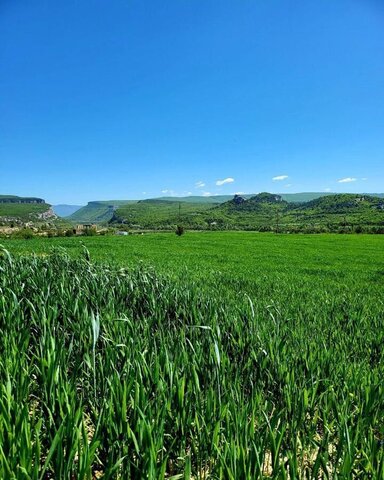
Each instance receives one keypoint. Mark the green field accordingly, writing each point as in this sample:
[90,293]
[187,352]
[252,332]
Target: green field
[241,255]
[215,355]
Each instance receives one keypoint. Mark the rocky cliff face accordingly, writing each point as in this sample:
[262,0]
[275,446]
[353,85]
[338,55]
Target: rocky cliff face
[15,199]
[48,215]
[238,199]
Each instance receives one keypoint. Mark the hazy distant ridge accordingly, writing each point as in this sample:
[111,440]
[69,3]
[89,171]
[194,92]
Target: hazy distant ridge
[98,211]
[103,211]
[64,210]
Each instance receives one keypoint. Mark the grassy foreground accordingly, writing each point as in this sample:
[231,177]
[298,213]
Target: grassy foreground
[247,356]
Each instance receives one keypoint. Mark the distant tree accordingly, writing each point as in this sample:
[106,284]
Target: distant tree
[25,234]
[90,232]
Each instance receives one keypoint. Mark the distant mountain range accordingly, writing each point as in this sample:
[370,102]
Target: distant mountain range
[64,210]
[98,211]
[103,211]
[264,211]
[107,211]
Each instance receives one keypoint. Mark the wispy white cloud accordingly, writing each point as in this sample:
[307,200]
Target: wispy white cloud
[279,178]
[347,180]
[173,193]
[364,178]
[206,194]
[226,180]
[327,189]
[288,185]
[199,184]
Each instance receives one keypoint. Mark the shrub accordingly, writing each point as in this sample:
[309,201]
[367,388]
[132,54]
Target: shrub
[25,234]
[179,230]
[90,232]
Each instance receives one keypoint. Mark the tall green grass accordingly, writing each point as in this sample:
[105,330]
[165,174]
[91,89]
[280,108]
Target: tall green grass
[110,372]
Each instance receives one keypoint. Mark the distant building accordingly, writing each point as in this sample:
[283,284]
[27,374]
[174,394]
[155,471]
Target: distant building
[82,227]
[119,232]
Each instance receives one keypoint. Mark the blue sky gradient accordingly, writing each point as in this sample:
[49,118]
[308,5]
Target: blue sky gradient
[137,99]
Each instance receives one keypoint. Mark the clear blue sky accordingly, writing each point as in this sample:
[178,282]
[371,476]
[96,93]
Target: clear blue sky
[110,99]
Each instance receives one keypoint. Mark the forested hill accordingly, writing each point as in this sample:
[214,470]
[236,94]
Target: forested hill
[335,203]
[344,203]
[97,211]
[104,211]
[264,211]
[16,210]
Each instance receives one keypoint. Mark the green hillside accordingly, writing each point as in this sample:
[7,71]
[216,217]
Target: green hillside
[264,211]
[219,211]
[344,204]
[20,210]
[97,211]
[159,213]
[104,211]
[258,212]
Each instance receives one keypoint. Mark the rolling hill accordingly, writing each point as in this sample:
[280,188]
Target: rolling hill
[295,210]
[103,211]
[160,213]
[19,211]
[264,211]
[97,211]
[344,204]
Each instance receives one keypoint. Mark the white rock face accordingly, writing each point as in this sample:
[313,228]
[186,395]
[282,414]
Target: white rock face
[49,214]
